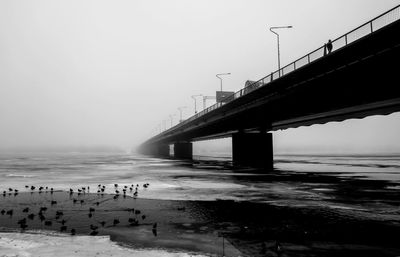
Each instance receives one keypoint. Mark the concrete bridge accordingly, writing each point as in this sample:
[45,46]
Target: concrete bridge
[357,79]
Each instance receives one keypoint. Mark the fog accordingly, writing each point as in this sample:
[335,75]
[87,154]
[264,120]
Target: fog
[108,73]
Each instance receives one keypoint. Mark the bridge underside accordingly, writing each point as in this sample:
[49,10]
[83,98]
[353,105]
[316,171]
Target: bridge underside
[356,81]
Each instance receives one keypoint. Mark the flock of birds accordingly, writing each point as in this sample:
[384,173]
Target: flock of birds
[59,214]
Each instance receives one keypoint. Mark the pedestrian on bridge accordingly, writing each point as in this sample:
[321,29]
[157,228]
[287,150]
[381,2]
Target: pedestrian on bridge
[329,46]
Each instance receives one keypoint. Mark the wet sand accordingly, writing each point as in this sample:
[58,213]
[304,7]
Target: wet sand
[208,227]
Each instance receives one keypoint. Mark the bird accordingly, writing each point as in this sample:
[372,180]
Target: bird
[22,221]
[143,217]
[115,222]
[93,227]
[63,222]
[10,212]
[31,216]
[63,228]
[53,202]
[90,215]
[97,203]
[73,232]
[25,209]
[2,212]
[154,229]
[91,209]
[94,232]
[137,211]
[33,187]
[59,213]
[103,223]
[48,223]
[133,221]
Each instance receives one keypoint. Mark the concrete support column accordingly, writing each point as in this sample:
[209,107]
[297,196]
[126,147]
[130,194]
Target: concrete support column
[252,149]
[163,150]
[183,150]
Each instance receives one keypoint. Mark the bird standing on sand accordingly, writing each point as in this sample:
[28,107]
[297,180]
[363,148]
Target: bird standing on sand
[154,230]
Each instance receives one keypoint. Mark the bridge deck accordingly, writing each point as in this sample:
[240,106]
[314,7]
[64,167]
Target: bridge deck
[355,81]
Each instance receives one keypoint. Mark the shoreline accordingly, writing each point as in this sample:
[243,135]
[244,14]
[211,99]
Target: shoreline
[204,227]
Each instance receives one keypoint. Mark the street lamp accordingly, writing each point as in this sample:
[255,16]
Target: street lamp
[271,29]
[195,102]
[180,112]
[205,98]
[221,78]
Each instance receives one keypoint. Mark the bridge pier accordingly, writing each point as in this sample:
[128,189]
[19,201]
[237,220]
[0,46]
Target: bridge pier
[183,150]
[252,149]
[163,150]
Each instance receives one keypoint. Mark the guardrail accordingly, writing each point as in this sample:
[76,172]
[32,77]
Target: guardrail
[365,29]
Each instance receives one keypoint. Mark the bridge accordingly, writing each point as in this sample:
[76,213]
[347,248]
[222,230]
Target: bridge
[357,79]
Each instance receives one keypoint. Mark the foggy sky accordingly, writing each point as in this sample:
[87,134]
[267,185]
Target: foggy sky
[82,73]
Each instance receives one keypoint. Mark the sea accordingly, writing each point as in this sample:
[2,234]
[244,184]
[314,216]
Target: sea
[358,186]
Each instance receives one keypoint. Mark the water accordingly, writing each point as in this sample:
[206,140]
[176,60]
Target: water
[357,187]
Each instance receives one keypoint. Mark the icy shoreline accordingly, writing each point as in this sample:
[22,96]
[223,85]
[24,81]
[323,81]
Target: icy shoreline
[43,243]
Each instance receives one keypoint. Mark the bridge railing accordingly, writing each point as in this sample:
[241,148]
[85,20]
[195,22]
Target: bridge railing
[365,29]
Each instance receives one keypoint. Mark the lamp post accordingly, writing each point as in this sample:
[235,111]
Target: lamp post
[195,102]
[279,58]
[205,98]
[221,74]
[180,112]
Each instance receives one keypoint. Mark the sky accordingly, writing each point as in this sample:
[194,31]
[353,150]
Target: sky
[96,72]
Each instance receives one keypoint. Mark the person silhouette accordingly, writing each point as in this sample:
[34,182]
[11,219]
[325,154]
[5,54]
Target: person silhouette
[329,46]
